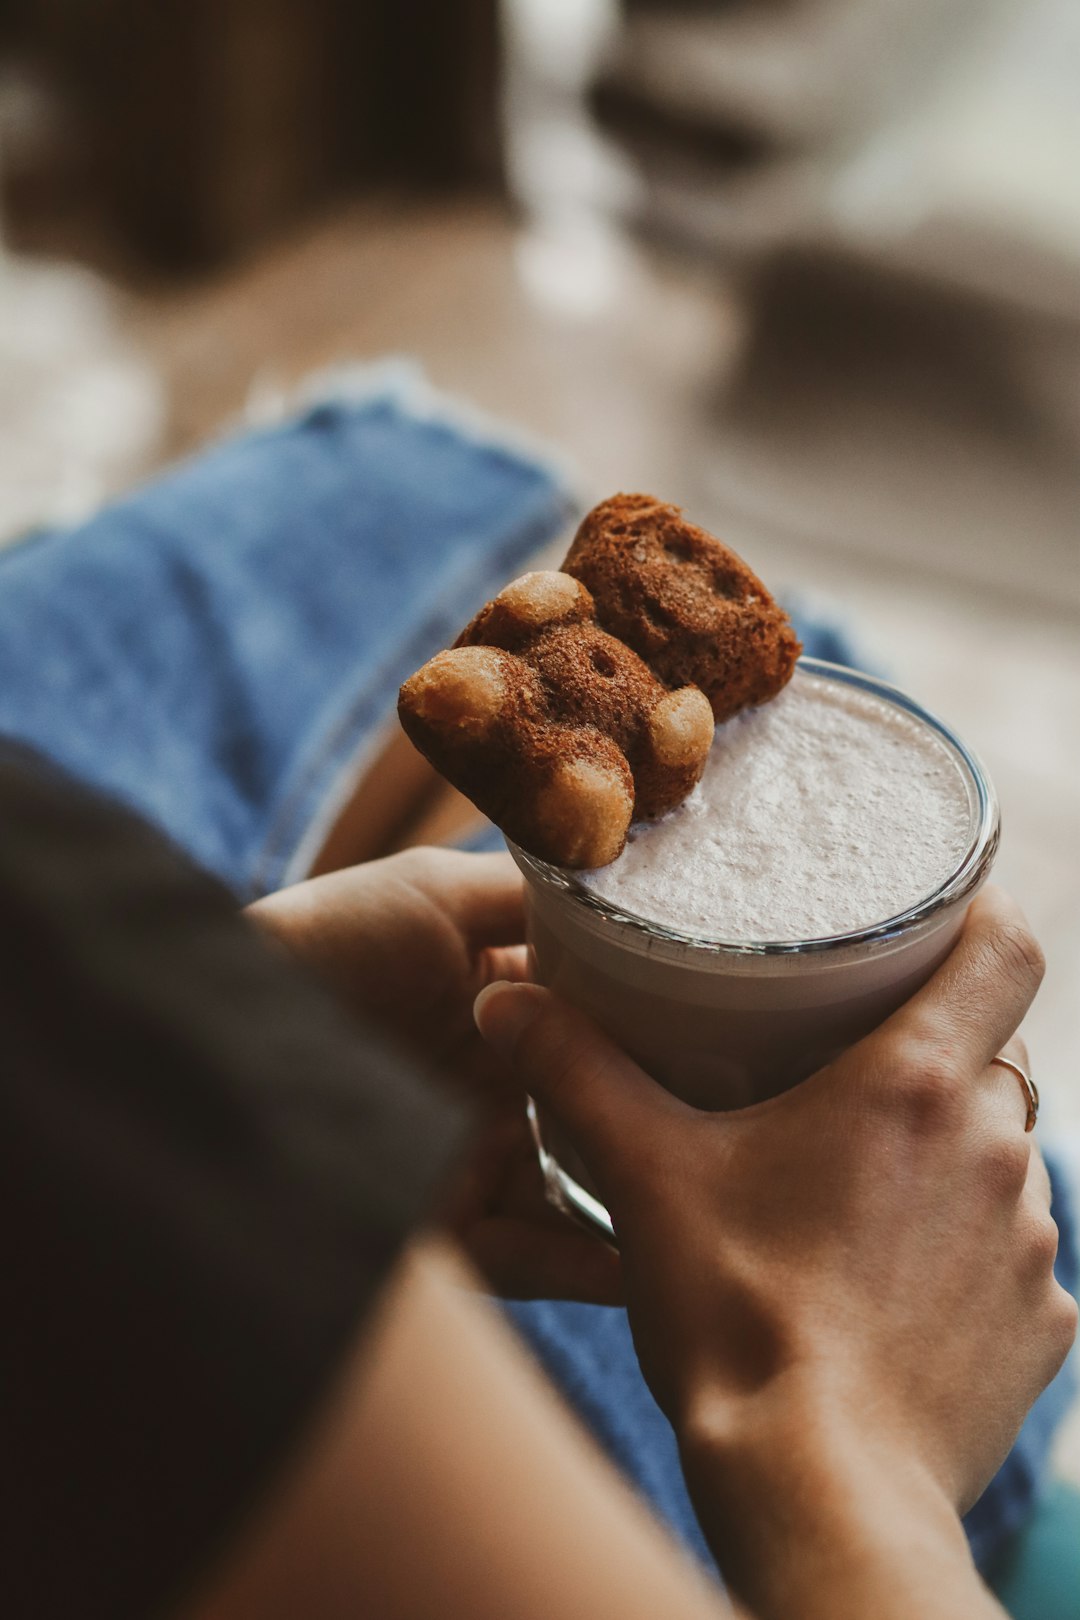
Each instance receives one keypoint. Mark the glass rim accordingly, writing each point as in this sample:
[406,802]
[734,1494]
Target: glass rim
[962,882]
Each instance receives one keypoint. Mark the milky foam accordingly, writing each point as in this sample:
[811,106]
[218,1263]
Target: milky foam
[827,810]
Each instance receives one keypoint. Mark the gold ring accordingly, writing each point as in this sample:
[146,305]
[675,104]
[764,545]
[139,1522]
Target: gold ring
[1031,1090]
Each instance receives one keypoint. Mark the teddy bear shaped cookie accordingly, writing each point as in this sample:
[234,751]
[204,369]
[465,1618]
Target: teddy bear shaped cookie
[583,698]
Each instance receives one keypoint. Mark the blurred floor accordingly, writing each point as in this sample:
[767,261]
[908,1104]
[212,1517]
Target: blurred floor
[607,360]
[620,361]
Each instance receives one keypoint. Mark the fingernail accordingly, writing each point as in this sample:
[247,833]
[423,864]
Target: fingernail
[503,1012]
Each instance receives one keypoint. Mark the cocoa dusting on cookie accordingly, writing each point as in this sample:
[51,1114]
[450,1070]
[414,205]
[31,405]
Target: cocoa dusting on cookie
[580,699]
[684,602]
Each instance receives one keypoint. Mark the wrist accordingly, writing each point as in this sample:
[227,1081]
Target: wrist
[812,1511]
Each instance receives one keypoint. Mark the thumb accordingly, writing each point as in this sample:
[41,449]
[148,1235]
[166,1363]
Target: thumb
[603,1099]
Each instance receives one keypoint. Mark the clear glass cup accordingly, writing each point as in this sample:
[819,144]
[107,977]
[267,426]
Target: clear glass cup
[723,1023]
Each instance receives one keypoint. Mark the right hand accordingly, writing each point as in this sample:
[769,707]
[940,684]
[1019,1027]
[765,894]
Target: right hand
[864,1264]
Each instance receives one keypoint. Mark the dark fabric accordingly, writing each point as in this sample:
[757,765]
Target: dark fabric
[205,1174]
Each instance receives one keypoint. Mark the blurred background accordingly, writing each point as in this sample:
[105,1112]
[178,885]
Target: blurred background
[809,268]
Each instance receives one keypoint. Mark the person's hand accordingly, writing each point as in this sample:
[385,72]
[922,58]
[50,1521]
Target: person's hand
[409,942]
[860,1268]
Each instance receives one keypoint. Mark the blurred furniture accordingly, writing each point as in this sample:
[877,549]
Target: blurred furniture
[205,125]
[892,184]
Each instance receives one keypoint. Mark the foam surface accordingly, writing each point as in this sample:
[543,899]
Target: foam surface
[826,810]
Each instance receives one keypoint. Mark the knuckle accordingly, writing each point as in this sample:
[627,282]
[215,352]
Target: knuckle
[1042,1244]
[927,1094]
[930,1107]
[421,864]
[1003,1167]
[1018,955]
[1061,1333]
[1018,1051]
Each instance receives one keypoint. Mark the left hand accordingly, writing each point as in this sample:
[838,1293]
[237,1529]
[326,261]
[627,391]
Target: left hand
[409,942]
[840,1289]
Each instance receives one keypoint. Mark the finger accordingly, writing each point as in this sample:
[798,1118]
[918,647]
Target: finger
[1016,1049]
[1004,1092]
[500,1214]
[505,963]
[486,1076]
[603,1099]
[975,1001]
[485,895]
[1038,1189]
[522,1260]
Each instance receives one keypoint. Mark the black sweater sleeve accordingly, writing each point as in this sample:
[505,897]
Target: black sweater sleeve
[206,1172]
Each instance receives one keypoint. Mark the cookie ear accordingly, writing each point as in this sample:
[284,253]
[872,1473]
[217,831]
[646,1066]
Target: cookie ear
[684,602]
[526,607]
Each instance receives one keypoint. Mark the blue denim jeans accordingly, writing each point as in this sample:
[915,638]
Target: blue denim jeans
[218,649]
